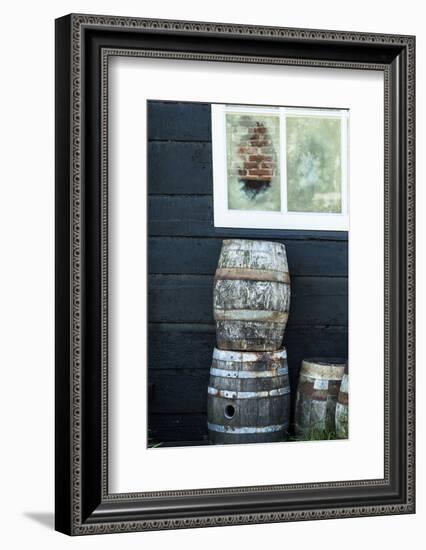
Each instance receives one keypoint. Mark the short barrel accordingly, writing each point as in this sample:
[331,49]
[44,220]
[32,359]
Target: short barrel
[342,409]
[248,399]
[251,295]
[316,397]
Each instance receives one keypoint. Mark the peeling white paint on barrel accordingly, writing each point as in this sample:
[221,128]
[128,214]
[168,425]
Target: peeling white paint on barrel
[342,409]
[248,398]
[251,295]
[316,398]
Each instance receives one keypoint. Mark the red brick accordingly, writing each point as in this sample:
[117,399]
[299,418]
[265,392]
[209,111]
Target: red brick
[259,141]
[258,178]
[256,158]
[257,172]
[260,158]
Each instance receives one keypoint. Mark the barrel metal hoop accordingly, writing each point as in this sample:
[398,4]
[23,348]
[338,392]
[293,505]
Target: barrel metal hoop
[255,315]
[230,394]
[321,374]
[324,372]
[246,429]
[248,356]
[248,274]
[223,373]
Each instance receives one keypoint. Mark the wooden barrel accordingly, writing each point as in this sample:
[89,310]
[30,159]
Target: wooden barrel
[251,296]
[248,398]
[316,398]
[342,409]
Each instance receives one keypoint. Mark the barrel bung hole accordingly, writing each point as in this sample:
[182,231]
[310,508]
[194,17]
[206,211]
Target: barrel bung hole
[229,411]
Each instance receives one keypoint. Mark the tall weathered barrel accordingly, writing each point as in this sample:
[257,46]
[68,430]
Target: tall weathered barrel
[248,398]
[316,398]
[342,409]
[251,295]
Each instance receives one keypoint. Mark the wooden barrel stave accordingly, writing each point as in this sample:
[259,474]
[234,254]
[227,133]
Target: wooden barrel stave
[316,397]
[249,335]
[342,409]
[254,254]
[248,397]
[251,295]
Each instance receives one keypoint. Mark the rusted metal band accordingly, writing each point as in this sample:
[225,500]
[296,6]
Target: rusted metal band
[249,356]
[343,398]
[324,372]
[246,429]
[229,394]
[319,395]
[256,315]
[272,373]
[248,274]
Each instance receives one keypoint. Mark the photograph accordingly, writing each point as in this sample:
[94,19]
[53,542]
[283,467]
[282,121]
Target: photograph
[248,221]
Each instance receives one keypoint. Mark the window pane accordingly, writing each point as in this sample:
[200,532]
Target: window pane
[314,169]
[253,169]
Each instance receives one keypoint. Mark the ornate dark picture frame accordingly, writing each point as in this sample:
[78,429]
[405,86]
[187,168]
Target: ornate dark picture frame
[84,43]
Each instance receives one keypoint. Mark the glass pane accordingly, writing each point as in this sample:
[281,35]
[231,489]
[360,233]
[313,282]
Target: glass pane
[253,169]
[314,170]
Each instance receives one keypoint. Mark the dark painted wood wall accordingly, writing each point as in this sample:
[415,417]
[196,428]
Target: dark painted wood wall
[183,250]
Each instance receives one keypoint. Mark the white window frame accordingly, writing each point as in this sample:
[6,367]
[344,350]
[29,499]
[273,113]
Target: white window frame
[260,219]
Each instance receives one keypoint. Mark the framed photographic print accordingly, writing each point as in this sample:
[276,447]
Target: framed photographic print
[234,274]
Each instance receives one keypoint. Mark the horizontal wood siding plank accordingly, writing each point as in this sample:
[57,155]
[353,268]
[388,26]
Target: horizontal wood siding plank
[179,121]
[200,256]
[192,216]
[189,299]
[179,391]
[177,427]
[172,345]
[180,216]
[177,346]
[179,168]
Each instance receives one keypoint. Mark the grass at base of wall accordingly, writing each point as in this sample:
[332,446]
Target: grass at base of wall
[314,434]
[152,443]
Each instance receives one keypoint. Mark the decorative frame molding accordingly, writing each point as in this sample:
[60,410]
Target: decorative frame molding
[84,44]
